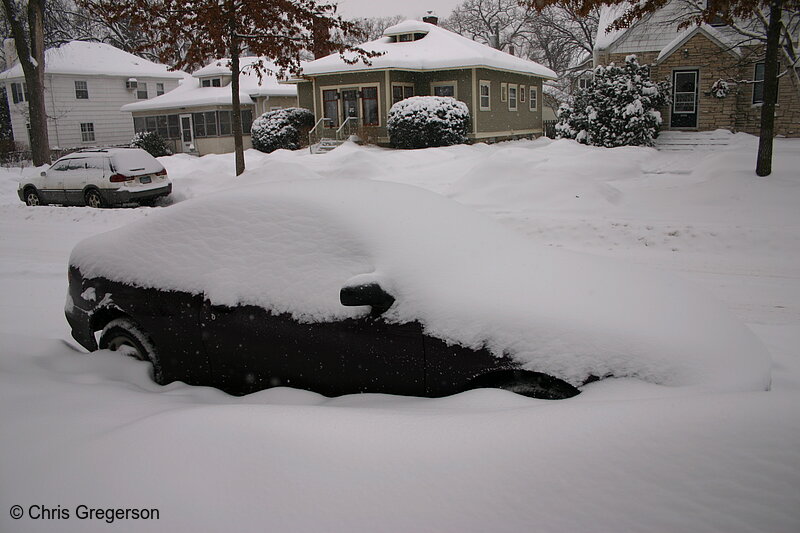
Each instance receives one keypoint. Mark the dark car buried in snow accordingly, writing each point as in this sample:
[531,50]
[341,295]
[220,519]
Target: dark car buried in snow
[348,286]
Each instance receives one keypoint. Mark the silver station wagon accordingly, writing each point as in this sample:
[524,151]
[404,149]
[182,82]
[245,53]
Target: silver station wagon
[100,177]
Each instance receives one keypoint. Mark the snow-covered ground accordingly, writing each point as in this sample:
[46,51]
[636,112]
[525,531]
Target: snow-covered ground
[622,456]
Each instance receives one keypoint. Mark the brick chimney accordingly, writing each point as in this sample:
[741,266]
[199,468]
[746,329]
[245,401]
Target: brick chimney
[431,18]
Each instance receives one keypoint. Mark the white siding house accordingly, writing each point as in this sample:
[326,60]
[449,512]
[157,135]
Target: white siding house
[85,86]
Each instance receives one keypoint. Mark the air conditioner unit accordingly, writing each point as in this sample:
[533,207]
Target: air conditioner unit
[131,84]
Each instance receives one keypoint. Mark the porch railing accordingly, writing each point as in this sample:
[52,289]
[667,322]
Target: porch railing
[317,133]
[347,128]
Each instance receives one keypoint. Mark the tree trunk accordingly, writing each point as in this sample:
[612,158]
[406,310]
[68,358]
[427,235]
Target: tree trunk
[764,159]
[31,58]
[236,119]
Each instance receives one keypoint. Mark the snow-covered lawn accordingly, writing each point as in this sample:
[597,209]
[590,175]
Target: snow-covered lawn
[622,456]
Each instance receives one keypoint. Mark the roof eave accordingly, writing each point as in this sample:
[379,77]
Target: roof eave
[460,67]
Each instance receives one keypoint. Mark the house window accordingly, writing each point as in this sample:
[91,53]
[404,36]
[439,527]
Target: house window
[141,91]
[19,92]
[533,101]
[225,123]
[369,105]
[199,121]
[87,132]
[173,127]
[512,97]
[405,37]
[138,125]
[401,92]
[486,95]
[583,83]
[522,94]
[159,89]
[161,126]
[81,90]
[503,92]
[247,120]
[330,107]
[758,85]
[211,82]
[447,88]
[211,123]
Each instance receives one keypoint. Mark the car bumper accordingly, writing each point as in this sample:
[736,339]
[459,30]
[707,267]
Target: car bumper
[21,194]
[80,325]
[124,196]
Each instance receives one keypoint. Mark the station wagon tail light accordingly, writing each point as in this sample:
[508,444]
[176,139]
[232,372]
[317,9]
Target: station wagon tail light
[162,172]
[119,178]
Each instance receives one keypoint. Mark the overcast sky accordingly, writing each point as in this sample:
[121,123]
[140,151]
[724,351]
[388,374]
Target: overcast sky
[412,9]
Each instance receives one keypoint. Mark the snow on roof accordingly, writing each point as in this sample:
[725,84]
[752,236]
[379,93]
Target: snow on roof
[716,36]
[96,59]
[290,246]
[191,94]
[657,32]
[439,49]
[609,14]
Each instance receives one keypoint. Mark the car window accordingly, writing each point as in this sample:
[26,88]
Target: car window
[96,163]
[61,166]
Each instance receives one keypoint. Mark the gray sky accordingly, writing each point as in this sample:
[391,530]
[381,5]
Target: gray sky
[413,9]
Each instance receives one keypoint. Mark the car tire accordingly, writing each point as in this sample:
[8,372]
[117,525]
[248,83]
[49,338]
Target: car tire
[92,198]
[32,197]
[527,383]
[125,333]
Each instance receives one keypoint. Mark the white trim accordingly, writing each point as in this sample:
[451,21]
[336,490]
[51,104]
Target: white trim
[452,83]
[460,67]
[522,96]
[504,92]
[533,98]
[475,97]
[394,84]
[488,84]
[357,87]
[516,97]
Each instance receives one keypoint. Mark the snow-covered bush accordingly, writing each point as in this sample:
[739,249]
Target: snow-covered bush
[152,143]
[423,121]
[282,128]
[619,108]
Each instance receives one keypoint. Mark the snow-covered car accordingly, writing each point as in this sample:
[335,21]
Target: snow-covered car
[98,177]
[344,286]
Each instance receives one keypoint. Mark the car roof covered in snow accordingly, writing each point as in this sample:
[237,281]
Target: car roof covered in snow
[291,246]
[438,49]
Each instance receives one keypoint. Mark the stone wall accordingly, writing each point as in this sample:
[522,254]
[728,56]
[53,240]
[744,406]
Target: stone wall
[736,112]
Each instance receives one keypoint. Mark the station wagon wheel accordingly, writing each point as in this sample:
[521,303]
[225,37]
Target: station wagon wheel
[93,199]
[32,197]
[123,334]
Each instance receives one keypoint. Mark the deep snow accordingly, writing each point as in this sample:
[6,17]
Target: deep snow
[622,456]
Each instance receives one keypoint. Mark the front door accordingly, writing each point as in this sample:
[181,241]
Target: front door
[349,105]
[684,99]
[187,135]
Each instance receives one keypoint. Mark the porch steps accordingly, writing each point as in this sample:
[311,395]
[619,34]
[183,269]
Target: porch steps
[678,141]
[325,146]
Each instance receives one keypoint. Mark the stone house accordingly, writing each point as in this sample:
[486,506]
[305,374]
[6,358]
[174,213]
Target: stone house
[419,58]
[196,117]
[693,60]
[85,86]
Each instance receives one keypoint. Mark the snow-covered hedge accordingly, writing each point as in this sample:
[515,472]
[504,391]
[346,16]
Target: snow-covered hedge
[282,128]
[423,121]
[619,108]
[152,143]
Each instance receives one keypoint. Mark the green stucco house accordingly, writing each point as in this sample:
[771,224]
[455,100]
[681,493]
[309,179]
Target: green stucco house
[503,92]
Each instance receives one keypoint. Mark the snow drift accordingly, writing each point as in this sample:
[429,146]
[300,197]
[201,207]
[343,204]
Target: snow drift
[291,246]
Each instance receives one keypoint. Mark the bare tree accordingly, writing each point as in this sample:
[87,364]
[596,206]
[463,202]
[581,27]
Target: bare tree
[370,28]
[501,24]
[26,23]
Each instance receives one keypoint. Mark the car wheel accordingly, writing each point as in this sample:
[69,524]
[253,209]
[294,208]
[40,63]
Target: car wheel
[32,197]
[527,383]
[92,198]
[125,335]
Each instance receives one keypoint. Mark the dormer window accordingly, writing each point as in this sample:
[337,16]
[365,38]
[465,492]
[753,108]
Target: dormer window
[211,82]
[407,37]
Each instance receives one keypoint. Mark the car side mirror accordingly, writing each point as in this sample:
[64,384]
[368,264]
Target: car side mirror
[371,294]
[43,174]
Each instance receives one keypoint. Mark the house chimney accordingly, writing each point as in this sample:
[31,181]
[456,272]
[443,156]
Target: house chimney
[431,18]
[10,52]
